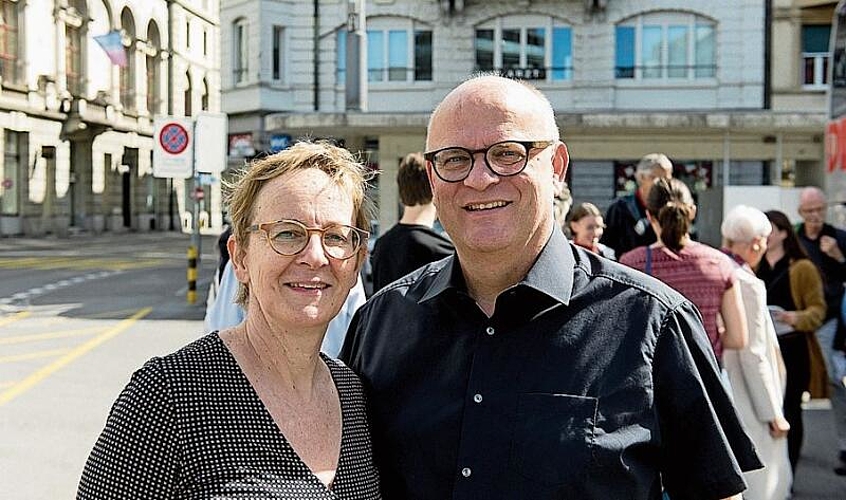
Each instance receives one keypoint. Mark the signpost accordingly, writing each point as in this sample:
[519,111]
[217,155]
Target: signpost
[175,142]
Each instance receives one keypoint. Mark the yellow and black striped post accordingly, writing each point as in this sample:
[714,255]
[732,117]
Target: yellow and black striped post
[192,274]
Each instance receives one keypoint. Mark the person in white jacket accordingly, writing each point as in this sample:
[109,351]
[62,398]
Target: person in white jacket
[756,373]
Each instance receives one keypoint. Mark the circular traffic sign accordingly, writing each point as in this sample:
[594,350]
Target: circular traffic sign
[173,138]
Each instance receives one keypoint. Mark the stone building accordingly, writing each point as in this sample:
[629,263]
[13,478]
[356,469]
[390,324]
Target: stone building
[724,87]
[77,128]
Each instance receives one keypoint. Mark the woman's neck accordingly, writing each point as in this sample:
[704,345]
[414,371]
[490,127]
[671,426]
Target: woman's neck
[774,254]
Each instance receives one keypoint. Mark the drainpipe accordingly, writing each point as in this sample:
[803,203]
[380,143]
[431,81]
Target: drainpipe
[316,55]
[768,40]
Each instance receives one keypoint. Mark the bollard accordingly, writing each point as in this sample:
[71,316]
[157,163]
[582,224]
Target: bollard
[192,274]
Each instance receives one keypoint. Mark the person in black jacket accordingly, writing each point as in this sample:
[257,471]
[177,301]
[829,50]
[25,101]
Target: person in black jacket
[412,242]
[626,224]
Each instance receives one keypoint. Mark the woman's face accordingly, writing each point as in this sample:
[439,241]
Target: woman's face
[309,288]
[776,238]
[588,230]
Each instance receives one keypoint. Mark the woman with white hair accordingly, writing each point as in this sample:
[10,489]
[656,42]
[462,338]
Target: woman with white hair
[756,372]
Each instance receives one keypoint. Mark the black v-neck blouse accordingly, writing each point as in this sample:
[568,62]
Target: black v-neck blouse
[190,426]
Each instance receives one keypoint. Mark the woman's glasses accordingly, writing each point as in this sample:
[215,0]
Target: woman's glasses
[290,237]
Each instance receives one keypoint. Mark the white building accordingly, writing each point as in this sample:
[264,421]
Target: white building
[696,80]
[77,129]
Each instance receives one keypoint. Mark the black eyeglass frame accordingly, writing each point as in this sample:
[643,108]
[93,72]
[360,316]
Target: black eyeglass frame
[528,145]
[262,226]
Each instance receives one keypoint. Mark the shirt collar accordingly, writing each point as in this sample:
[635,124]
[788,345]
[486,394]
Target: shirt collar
[551,274]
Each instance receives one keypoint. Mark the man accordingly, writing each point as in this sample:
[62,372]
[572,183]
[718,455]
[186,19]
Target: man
[412,242]
[826,246]
[626,226]
[523,367]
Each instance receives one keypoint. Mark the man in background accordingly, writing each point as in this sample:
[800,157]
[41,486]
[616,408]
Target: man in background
[412,242]
[826,246]
[626,226]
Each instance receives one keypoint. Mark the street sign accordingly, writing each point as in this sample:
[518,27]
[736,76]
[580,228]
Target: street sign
[173,151]
[278,142]
[210,147]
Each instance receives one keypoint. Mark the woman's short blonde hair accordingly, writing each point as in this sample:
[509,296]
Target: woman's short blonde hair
[342,166]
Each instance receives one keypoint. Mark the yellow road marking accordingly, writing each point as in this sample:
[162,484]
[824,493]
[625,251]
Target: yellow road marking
[20,339]
[15,317]
[32,355]
[30,381]
[3,385]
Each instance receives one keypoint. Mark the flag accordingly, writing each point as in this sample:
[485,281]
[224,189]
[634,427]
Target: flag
[113,45]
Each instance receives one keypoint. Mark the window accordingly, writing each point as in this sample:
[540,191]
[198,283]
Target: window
[127,73]
[527,47]
[668,46]
[12,168]
[153,71]
[240,55]
[9,41]
[815,56]
[75,18]
[278,51]
[204,98]
[403,54]
[187,95]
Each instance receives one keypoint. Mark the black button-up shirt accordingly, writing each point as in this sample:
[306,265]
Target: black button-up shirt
[590,380]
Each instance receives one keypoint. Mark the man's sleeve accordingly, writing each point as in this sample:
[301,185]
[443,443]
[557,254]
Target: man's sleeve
[136,455]
[614,232]
[703,445]
[223,312]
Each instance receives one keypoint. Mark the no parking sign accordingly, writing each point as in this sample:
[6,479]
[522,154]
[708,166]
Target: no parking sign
[173,151]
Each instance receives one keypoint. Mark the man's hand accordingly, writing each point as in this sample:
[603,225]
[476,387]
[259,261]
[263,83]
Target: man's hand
[829,246]
[779,427]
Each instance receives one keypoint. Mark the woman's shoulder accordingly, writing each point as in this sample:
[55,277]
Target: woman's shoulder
[344,377]
[804,267]
[633,256]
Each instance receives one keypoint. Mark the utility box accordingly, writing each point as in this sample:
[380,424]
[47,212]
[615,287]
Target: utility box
[714,203]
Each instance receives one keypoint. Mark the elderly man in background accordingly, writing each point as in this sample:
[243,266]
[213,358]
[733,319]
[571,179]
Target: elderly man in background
[826,247]
[626,226]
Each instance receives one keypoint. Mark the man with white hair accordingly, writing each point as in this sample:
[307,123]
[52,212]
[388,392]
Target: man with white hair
[626,226]
[826,247]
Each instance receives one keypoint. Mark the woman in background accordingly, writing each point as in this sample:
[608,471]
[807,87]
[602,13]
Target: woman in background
[795,294]
[757,373]
[701,273]
[586,227]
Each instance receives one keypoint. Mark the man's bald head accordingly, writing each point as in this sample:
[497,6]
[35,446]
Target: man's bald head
[812,208]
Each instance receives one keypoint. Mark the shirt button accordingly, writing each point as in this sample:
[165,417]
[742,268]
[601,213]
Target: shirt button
[466,472]
[490,330]
[477,398]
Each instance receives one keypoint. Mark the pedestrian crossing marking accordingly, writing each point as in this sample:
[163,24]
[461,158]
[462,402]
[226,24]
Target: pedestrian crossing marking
[77,263]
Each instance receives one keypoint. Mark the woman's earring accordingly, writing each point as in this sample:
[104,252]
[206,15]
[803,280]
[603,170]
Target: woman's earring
[756,247]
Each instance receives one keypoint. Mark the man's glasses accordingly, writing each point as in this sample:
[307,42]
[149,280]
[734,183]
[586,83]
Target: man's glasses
[290,237]
[505,159]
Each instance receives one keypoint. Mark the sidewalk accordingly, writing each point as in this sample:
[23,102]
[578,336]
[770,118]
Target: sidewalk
[815,478]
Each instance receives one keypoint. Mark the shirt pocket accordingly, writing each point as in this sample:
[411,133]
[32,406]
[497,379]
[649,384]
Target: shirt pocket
[553,437]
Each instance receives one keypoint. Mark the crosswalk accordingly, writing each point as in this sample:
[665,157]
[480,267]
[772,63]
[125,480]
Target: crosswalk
[80,263]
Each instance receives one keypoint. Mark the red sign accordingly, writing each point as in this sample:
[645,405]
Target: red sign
[173,138]
[7,183]
[199,194]
[835,145]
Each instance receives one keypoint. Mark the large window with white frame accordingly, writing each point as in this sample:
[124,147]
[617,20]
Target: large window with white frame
[9,45]
[397,51]
[277,53]
[240,52]
[527,47]
[666,46]
[815,39]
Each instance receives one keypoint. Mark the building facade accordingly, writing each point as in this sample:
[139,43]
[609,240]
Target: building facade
[732,90]
[77,128]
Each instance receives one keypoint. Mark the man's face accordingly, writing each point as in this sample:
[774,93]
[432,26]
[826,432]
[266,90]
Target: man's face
[812,209]
[485,212]
[648,180]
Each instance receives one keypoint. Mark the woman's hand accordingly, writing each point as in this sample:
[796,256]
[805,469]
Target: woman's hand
[788,317]
[779,427]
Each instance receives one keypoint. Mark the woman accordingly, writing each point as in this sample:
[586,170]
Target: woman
[586,227]
[255,411]
[757,373]
[702,274]
[795,294]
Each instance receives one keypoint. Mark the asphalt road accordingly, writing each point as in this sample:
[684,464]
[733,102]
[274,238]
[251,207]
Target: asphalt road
[79,315]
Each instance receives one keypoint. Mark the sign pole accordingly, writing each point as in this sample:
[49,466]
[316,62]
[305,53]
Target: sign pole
[195,248]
